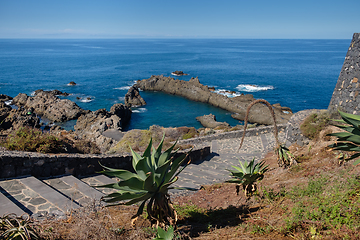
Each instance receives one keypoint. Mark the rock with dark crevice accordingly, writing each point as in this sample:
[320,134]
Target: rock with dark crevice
[133,98]
[48,105]
[93,125]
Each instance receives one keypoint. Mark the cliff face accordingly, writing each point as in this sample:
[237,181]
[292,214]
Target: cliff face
[195,91]
[346,93]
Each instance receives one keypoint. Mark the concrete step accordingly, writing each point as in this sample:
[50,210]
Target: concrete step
[51,195]
[24,197]
[7,206]
[75,190]
[98,180]
[84,188]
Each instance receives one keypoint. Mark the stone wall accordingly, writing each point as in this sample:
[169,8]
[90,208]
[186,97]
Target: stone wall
[16,163]
[201,141]
[346,93]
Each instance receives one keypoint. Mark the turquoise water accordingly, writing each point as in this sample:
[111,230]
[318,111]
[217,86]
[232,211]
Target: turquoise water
[299,74]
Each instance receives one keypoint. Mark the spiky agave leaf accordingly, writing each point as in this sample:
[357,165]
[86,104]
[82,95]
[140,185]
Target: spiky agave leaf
[350,140]
[154,172]
[248,174]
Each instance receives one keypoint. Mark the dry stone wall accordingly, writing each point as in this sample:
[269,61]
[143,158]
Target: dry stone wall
[346,94]
[16,163]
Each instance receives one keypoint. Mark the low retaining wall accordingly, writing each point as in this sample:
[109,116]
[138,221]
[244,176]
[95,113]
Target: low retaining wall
[233,134]
[15,163]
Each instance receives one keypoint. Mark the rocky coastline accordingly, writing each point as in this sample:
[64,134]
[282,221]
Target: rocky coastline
[105,128]
[198,92]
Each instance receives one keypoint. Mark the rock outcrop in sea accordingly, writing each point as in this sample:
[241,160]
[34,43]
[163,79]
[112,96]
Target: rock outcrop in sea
[209,121]
[196,91]
[133,98]
[48,105]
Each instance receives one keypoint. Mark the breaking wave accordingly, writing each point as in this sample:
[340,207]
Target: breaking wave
[86,100]
[139,110]
[253,88]
[123,88]
[227,93]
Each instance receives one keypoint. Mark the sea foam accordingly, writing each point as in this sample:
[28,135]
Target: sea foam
[227,93]
[123,88]
[139,110]
[253,88]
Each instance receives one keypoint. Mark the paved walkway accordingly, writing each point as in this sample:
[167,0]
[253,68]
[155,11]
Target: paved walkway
[58,195]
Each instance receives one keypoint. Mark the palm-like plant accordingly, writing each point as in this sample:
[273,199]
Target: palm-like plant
[155,172]
[247,175]
[350,139]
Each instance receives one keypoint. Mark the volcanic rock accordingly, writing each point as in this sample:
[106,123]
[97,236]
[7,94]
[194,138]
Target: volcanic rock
[93,124]
[133,98]
[195,91]
[16,118]
[209,121]
[48,105]
[179,73]
[4,112]
[4,98]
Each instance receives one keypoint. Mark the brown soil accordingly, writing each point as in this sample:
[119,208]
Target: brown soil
[222,214]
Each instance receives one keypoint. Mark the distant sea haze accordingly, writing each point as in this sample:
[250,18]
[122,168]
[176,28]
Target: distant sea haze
[300,74]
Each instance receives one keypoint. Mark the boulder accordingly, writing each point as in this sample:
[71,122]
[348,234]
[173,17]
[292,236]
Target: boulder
[195,91]
[72,83]
[179,73]
[133,98]
[48,105]
[4,112]
[93,125]
[17,118]
[4,98]
[209,121]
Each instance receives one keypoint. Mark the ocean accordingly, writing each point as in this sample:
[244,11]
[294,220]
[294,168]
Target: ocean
[300,74]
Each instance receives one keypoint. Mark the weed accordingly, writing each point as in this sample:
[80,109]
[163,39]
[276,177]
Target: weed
[270,195]
[257,229]
[328,206]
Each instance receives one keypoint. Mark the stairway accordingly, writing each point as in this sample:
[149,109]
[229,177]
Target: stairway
[60,194]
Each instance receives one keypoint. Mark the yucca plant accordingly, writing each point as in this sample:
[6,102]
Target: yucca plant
[16,227]
[247,175]
[154,173]
[349,140]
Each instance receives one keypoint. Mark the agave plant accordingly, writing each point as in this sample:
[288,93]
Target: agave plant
[16,227]
[165,235]
[247,175]
[285,157]
[154,173]
[349,140]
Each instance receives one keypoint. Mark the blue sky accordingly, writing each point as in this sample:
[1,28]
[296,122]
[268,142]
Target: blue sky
[179,19]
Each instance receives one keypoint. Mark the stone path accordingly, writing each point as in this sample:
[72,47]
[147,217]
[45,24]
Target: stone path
[56,196]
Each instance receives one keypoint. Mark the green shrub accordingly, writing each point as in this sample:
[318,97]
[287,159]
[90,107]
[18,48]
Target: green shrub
[32,140]
[314,124]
